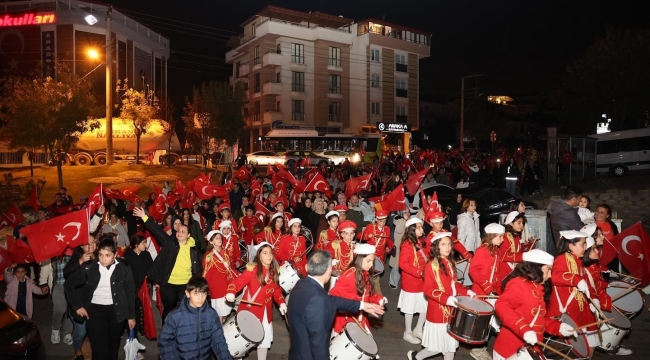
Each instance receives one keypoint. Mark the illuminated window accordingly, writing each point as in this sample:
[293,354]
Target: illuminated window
[335,56]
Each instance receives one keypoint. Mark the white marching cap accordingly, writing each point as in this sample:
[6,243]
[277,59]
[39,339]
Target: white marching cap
[589,229]
[440,235]
[213,233]
[572,234]
[258,246]
[511,216]
[590,242]
[294,221]
[413,220]
[539,257]
[364,249]
[276,215]
[225,223]
[331,213]
[495,228]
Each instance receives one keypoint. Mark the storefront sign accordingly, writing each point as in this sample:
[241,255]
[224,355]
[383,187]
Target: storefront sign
[277,124]
[9,20]
[47,43]
[393,127]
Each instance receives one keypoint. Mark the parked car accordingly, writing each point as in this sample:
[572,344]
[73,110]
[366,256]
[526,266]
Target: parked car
[336,156]
[490,202]
[314,159]
[19,337]
[264,158]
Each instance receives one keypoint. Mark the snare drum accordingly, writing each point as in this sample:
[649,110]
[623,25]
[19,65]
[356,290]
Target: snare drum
[580,345]
[558,345]
[470,322]
[379,266]
[464,267]
[630,303]
[288,277]
[495,322]
[614,331]
[353,343]
[527,353]
[243,331]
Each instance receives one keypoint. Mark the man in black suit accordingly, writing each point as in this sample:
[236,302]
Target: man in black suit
[311,310]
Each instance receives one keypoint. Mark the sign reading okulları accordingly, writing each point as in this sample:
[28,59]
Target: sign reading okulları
[393,127]
[25,19]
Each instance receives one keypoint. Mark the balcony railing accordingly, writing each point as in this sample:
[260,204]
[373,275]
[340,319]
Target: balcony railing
[335,118]
[256,61]
[297,59]
[255,117]
[401,67]
[297,116]
[334,62]
[401,93]
[334,89]
[402,119]
[298,87]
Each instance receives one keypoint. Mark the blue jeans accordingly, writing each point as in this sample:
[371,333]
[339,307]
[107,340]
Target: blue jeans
[511,187]
[79,333]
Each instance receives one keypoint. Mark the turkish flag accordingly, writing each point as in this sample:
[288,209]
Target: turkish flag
[188,200]
[19,251]
[207,191]
[609,253]
[33,198]
[157,209]
[633,245]
[261,211]
[15,215]
[289,177]
[149,322]
[395,201]
[356,184]
[256,189]
[4,221]
[50,238]
[279,185]
[414,181]
[181,189]
[128,193]
[241,174]
[204,178]
[269,170]
[318,183]
[95,200]
[310,174]
[293,199]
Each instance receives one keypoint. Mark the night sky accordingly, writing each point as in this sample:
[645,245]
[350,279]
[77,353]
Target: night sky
[518,46]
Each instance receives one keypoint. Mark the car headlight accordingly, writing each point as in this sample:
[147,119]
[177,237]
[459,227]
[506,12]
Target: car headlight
[356,158]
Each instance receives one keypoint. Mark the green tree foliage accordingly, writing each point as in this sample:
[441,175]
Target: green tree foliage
[42,112]
[140,110]
[611,77]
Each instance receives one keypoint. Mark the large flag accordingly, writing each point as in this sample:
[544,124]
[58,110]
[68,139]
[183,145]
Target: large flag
[206,191]
[261,211]
[33,198]
[395,201]
[158,209]
[256,189]
[50,238]
[95,200]
[180,189]
[318,183]
[633,245]
[414,181]
[19,251]
[356,184]
[15,215]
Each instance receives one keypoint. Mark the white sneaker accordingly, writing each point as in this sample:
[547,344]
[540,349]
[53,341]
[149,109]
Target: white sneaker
[56,337]
[408,337]
[417,333]
[622,350]
[480,354]
[67,339]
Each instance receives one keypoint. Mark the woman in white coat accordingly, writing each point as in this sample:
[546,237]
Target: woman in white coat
[469,233]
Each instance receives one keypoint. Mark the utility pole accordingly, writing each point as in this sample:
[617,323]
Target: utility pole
[473,92]
[109,90]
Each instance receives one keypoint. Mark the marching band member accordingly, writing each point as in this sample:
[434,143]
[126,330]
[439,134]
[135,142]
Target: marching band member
[511,251]
[440,288]
[261,281]
[354,284]
[247,225]
[484,268]
[412,260]
[343,212]
[272,234]
[231,247]
[378,235]
[224,215]
[341,250]
[522,306]
[278,205]
[292,247]
[570,289]
[330,235]
[218,272]
[435,218]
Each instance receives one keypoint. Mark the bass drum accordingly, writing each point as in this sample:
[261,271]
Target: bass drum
[309,238]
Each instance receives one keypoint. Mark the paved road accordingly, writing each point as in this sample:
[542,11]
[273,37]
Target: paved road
[388,334]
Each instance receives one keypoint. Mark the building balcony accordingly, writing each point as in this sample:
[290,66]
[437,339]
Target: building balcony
[402,119]
[272,88]
[298,87]
[403,93]
[243,70]
[255,118]
[271,116]
[401,67]
[335,118]
[272,59]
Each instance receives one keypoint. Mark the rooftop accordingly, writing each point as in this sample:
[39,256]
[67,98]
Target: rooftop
[295,16]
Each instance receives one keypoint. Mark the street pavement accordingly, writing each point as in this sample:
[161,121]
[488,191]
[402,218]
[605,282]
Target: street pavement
[387,333]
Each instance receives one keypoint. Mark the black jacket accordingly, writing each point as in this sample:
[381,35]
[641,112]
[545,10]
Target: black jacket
[169,248]
[139,264]
[81,285]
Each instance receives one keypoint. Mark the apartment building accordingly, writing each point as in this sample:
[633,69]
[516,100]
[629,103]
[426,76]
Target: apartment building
[326,72]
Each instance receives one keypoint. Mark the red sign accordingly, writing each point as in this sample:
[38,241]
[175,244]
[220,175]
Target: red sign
[8,20]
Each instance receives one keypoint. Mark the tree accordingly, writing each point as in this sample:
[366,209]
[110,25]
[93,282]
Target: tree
[169,123]
[42,112]
[140,110]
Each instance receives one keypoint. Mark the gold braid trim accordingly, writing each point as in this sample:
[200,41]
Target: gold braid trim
[511,241]
[250,266]
[416,259]
[573,268]
[435,266]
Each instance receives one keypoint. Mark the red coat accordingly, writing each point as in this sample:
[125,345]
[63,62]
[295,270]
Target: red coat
[378,238]
[510,253]
[438,287]
[516,308]
[249,223]
[346,287]
[235,228]
[458,246]
[290,248]
[217,273]
[411,262]
[325,239]
[484,271]
[567,273]
[265,296]
[231,247]
[598,286]
[342,251]
[271,236]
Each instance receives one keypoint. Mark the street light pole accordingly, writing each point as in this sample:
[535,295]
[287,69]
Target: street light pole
[462,109]
[109,90]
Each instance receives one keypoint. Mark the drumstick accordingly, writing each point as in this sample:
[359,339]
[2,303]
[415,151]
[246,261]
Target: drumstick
[487,296]
[592,324]
[625,275]
[622,293]
[249,302]
[466,308]
[460,261]
[358,323]
[620,287]
[553,350]
[597,308]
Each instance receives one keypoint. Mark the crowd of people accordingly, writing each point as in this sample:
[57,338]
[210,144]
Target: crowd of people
[224,257]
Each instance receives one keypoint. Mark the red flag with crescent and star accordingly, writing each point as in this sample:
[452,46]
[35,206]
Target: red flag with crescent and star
[95,200]
[50,238]
[319,183]
[158,209]
[395,201]
[19,251]
[15,215]
[261,211]
[33,198]
[633,246]
[206,191]
[180,189]
[356,184]
[256,189]
[414,181]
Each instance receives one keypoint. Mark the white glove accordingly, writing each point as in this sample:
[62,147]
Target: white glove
[283,309]
[567,330]
[583,288]
[383,301]
[530,337]
[451,301]
[471,293]
[230,297]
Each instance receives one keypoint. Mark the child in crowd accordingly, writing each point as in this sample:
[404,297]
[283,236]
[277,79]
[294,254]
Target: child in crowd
[586,216]
[20,289]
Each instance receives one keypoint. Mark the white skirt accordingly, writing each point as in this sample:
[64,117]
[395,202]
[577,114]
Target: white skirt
[221,306]
[435,338]
[592,338]
[412,303]
[268,333]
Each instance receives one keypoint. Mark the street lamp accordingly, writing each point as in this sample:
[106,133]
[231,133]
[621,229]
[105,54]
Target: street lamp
[93,54]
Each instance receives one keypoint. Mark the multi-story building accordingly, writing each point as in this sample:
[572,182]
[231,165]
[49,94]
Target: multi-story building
[326,72]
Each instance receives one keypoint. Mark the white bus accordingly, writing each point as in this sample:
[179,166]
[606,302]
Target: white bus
[622,151]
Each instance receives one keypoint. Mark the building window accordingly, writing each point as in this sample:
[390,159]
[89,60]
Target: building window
[256,111]
[400,114]
[278,77]
[256,83]
[256,55]
[400,88]
[374,55]
[298,53]
[335,84]
[335,56]
[374,80]
[335,112]
[374,108]
[400,63]
[297,81]
[297,110]
[253,28]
